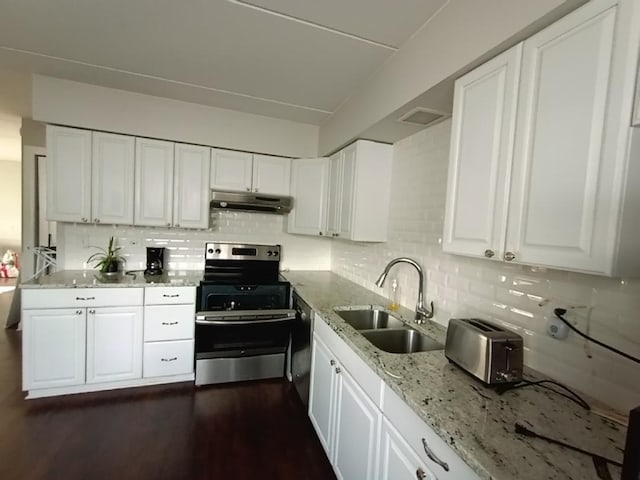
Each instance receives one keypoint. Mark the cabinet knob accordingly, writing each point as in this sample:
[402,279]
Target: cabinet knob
[432,456]
[96,220]
[338,370]
[332,362]
[320,233]
[168,224]
[84,220]
[420,474]
[508,256]
[248,189]
[489,253]
[255,190]
[177,225]
[92,312]
[78,312]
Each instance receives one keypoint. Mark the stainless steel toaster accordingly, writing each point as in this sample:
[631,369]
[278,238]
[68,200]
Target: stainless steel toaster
[487,351]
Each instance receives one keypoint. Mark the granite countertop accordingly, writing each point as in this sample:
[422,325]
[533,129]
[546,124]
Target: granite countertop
[473,419]
[92,278]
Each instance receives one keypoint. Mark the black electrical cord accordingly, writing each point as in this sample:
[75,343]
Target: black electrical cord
[574,397]
[559,312]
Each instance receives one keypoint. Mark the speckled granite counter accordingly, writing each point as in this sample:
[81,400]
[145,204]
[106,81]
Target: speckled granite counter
[92,278]
[476,422]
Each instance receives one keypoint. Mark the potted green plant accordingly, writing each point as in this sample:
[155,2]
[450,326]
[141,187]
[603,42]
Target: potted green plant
[108,261]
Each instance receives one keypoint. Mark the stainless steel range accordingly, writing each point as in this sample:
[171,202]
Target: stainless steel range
[244,317]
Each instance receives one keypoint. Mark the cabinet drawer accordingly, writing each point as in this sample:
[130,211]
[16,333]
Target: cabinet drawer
[81,297]
[414,430]
[168,322]
[168,358]
[169,295]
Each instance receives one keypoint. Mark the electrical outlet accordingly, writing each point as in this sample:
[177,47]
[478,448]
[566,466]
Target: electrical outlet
[557,328]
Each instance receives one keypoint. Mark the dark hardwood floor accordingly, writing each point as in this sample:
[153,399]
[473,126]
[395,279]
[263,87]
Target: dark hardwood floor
[254,430]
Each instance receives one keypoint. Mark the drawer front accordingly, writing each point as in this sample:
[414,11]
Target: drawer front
[167,358]
[169,295]
[81,297]
[414,430]
[168,322]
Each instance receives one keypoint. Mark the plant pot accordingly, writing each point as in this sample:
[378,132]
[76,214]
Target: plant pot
[111,268]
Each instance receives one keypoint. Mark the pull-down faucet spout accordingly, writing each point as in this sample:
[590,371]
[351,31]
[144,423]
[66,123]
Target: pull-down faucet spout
[422,314]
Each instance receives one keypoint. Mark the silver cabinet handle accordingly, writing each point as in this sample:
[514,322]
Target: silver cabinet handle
[420,474]
[78,312]
[97,220]
[248,189]
[255,190]
[332,362]
[508,256]
[177,225]
[169,323]
[489,253]
[320,233]
[338,370]
[166,295]
[92,312]
[432,456]
[168,224]
[85,298]
[84,219]
[169,359]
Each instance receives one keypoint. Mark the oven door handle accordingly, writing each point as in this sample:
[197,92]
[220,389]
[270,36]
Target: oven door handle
[204,321]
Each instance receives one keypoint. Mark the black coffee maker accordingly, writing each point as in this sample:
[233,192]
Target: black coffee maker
[155,261]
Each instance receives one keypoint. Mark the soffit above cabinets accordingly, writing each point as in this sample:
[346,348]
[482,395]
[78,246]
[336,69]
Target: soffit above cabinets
[281,58]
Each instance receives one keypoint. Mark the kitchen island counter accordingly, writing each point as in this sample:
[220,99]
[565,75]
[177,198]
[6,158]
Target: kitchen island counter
[476,422]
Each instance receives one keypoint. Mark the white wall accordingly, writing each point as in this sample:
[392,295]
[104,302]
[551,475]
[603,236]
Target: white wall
[185,248]
[99,108]
[459,35]
[10,205]
[507,294]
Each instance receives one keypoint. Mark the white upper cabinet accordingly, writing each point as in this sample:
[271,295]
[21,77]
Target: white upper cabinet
[271,175]
[636,110]
[568,199]
[68,174]
[231,170]
[309,188]
[481,152]
[191,186]
[335,194]
[154,182]
[241,171]
[112,173]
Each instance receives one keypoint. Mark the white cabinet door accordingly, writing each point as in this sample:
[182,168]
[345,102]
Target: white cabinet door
[271,175]
[397,458]
[114,344]
[309,188]
[357,424]
[560,201]
[335,193]
[484,113]
[154,182]
[348,190]
[321,394]
[112,173]
[54,348]
[191,186]
[231,170]
[68,174]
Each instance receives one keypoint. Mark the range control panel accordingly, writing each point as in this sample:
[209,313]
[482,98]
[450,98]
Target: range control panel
[235,251]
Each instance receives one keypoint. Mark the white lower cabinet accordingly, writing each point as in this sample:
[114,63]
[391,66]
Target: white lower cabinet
[346,420]
[397,458]
[168,358]
[366,429]
[114,344]
[53,347]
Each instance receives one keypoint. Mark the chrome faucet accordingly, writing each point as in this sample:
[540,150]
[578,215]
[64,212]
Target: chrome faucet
[422,314]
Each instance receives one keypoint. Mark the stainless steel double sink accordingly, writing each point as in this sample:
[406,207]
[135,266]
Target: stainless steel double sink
[387,332]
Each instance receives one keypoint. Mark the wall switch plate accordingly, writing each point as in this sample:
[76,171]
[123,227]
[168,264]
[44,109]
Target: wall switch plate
[557,328]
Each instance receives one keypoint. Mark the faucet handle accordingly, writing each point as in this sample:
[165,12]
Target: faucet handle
[422,314]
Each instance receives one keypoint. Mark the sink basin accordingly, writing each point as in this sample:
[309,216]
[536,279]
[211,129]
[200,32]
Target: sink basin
[406,340]
[369,319]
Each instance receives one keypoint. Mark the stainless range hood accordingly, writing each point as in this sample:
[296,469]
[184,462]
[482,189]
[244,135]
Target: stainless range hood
[250,202]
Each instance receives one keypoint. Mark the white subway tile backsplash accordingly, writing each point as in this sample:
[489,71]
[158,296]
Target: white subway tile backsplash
[185,248]
[518,297]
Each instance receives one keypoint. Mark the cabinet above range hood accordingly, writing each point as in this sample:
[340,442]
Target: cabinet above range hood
[250,202]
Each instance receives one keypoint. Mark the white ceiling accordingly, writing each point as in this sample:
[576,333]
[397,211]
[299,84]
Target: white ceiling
[292,59]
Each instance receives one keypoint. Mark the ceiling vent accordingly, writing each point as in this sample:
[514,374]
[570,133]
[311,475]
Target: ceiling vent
[423,116]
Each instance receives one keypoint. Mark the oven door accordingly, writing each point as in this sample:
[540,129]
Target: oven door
[242,333]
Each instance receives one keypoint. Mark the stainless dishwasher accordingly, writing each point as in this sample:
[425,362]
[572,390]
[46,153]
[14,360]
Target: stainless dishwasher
[301,348]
